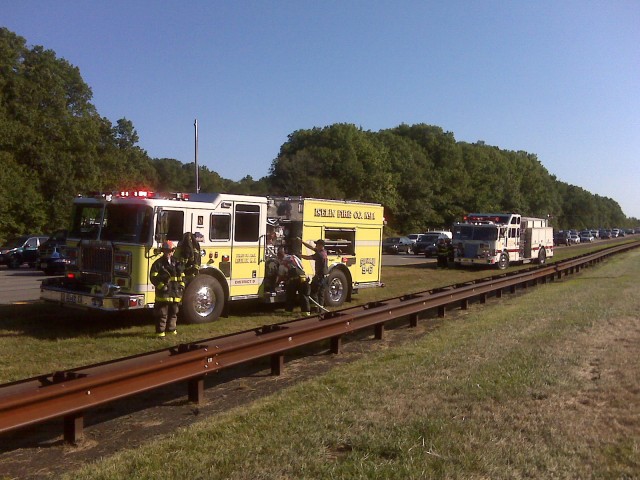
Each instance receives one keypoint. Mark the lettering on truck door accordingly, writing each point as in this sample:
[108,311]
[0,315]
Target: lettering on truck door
[247,273]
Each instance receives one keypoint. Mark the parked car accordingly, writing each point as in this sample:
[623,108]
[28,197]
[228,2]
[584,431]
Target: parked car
[413,237]
[586,237]
[397,245]
[574,239]
[21,250]
[51,257]
[426,244]
[561,238]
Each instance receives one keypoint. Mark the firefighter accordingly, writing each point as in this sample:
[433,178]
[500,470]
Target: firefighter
[443,253]
[188,254]
[167,276]
[297,286]
[451,252]
[321,272]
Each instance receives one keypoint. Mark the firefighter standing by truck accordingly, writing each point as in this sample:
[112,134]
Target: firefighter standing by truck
[443,253]
[167,277]
[319,280]
[297,286]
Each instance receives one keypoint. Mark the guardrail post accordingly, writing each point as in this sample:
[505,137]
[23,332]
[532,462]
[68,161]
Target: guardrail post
[499,293]
[483,298]
[336,344]
[379,331]
[464,304]
[277,364]
[195,390]
[442,310]
[413,320]
[73,427]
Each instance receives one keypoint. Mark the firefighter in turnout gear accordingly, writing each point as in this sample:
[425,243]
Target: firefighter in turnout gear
[188,254]
[297,286]
[167,276]
[443,253]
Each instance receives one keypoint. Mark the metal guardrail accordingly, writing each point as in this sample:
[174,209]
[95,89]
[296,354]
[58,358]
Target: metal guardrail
[70,393]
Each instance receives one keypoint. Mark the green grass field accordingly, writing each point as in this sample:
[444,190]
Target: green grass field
[541,385]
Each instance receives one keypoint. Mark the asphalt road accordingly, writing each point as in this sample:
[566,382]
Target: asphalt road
[20,285]
[23,284]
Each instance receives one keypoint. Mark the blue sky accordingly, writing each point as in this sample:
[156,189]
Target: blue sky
[560,79]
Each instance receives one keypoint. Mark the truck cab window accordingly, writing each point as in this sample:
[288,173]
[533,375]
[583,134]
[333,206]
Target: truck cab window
[247,228]
[220,227]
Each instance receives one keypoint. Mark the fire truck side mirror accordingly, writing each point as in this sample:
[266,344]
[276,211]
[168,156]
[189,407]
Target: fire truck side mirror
[162,226]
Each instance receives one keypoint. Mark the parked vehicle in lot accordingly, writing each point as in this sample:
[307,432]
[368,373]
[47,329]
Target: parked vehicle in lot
[426,244]
[574,239]
[51,258]
[21,250]
[397,245]
[604,234]
[561,238]
[586,237]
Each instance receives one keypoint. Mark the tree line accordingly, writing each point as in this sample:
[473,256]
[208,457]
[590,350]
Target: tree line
[54,145]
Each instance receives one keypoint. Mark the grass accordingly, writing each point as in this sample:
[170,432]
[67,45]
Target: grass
[37,339]
[540,385]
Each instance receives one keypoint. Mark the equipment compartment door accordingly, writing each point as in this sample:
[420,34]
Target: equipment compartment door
[247,272]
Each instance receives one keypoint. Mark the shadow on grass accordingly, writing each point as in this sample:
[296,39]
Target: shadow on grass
[50,322]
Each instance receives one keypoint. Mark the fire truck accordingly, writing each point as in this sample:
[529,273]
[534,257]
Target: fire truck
[499,239]
[115,238]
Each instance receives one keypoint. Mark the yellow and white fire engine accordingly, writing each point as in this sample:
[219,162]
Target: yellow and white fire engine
[114,240]
[498,239]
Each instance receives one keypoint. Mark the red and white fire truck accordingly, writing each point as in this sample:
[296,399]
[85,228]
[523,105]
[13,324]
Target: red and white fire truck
[114,239]
[498,239]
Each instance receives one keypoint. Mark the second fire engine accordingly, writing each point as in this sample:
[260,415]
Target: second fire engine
[498,239]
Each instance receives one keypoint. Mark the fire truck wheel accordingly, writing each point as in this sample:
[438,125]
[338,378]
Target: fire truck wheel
[503,262]
[337,288]
[203,300]
[542,256]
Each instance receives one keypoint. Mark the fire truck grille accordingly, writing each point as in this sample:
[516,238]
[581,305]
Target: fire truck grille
[96,264]
[470,251]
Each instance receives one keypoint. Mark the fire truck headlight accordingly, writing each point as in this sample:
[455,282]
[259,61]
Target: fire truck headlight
[109,289]
[121,268]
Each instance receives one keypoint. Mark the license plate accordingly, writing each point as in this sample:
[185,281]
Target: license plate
[72,298]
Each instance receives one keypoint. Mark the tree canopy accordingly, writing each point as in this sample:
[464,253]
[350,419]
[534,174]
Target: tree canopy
[55,145]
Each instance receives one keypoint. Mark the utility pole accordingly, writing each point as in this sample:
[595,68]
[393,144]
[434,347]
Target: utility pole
[195,124]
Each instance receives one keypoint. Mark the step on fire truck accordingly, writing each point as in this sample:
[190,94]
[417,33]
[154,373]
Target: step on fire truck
[115,238]
[498,239]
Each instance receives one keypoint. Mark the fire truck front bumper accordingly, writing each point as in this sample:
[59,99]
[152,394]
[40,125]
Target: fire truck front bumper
[110,302]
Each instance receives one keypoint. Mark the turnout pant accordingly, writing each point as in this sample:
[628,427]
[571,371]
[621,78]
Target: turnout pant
[297,292]
[166,315]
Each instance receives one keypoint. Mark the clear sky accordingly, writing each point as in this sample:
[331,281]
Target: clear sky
[556,78]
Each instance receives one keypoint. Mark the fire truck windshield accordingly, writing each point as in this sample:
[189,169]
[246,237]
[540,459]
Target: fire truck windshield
[112,222]
[475,232]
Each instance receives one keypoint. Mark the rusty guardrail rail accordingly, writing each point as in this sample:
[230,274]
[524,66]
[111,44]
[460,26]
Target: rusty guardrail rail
[70,393]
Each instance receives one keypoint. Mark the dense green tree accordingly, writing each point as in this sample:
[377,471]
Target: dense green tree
[54,145]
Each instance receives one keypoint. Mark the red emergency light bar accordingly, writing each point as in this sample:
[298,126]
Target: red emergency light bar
[140,194]
[137,193]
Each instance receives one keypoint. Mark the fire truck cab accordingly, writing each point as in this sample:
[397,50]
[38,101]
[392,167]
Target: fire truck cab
[499,239]
[114,239]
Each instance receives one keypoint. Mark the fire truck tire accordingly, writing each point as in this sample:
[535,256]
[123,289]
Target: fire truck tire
[542,256]
[503,262]
[337,288]
[203,300]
